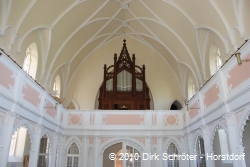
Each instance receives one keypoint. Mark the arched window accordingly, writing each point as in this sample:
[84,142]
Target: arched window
[200,152]
[176,105]
[44,151]
[191,88]
[215,61]
[172,150]
[57,87]
[73,156]
[31,60]
[218,59]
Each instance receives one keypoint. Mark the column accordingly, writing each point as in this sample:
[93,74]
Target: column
[34,152]
[85,151]
[54,150]
[160,150]
[124,150]
[192,163]
[96,158]
[184,149]
[62,152]
[232,138]
[207,145]
[241,152]
[8,132]
[149,150]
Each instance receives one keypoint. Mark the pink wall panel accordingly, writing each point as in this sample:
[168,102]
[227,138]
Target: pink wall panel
[122,119]
[91,140]
[50,110]
[154,141]
[5,78]
[31,95]
[105,139]
[211,95]
[141,140]
[193,112]
[239,74]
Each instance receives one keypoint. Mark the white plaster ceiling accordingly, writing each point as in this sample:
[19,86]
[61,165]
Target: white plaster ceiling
[178,30]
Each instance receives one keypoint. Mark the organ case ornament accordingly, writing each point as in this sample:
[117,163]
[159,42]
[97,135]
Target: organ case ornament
[124,86]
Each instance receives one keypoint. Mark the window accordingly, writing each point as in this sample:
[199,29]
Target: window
[31,60]
[172,150]
[43,160]
[215,61]
[200,152]
[218,60]
[191,87]
[73,156]
[57,87]
[27,61]
[134,159]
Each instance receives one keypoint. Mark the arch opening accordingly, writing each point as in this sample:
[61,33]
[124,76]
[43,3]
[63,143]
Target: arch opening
[221,147]
[20,146]
[176,105]
[125,155]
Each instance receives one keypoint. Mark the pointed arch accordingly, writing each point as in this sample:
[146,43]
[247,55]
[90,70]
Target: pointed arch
[70,141]
[27,126]
[175,105]
[241,125]
[198,133]
[72,102]
[216,127]
[129,141]
[111,142]
[46,133]
[199,150]
[174,141]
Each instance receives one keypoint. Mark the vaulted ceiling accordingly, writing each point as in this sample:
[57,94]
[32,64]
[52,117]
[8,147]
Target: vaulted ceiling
[69,31]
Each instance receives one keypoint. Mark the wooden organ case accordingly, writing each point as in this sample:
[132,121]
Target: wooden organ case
[124,86]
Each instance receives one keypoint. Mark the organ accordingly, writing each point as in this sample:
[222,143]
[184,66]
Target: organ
[124,86]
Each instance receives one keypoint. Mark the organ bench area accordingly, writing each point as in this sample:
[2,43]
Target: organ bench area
[124,86]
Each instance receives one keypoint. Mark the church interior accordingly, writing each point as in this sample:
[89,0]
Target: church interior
[124,83]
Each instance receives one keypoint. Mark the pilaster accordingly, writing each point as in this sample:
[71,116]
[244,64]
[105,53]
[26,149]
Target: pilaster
[85,151]
[54,150]
[207,145]
[8,132]
[34,152]
[97,144]
[232,138]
